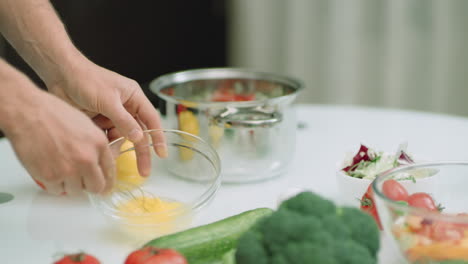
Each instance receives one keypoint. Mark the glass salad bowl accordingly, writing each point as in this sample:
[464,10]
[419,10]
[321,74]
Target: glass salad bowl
[178,185]
[428,226]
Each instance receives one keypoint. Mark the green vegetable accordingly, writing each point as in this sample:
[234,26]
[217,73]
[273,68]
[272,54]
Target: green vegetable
[212,243]
[310,229]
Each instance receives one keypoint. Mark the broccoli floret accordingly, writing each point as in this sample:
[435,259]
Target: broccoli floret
[350,252]
[308,203]
[279,259]
[310,229]
[252,249]
[307,252]
[334,226]
[291,226]
[362,227]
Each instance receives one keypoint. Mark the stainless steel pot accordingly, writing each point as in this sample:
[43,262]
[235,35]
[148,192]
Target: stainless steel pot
[245,115]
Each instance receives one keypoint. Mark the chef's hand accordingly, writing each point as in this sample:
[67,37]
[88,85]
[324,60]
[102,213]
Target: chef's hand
[58,145]
[116,104]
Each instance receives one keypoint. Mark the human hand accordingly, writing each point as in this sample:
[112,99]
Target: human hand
[60,146]
[116,104]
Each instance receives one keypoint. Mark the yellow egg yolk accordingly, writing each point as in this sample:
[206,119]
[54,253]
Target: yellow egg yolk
[151,214]
[126,166]
[188,122]
[147,204]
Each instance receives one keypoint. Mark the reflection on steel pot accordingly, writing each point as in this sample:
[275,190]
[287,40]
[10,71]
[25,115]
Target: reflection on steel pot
[245,115]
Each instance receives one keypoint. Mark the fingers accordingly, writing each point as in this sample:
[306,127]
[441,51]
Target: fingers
[94,176]
[49,180]
[103,122]
[143,155]
[124,121]
[113,134]
[99,174]
[93,179]
[141,150]
[116,146]
[73,185]
[150,117]
[54,187]
[159,143]
[107,164]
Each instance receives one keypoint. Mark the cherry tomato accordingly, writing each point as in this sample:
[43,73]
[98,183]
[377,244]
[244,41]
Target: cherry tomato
[394,190]
[422,200]
[244,97]
[368,205]
[169,91]
[153,255]
[224,98]
[443,231]
[223,95]
[463,224]
[180,108]
[227,93]
[425,230]
[81,258]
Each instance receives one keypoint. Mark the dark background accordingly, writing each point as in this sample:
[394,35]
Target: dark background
[143,39]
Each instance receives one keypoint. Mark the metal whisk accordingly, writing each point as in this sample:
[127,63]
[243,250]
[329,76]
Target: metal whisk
[124,193]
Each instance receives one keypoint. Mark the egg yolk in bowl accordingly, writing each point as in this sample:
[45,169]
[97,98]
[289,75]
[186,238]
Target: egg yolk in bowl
[126,166]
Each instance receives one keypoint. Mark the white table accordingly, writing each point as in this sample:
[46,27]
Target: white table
[35,226]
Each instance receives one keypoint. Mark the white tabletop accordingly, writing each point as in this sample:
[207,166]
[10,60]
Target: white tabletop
[34,226]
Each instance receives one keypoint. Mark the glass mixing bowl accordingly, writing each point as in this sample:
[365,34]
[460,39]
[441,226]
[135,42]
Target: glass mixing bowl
[166,201]
[423,235]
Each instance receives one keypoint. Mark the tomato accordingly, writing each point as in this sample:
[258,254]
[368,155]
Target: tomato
[394,190]
[228,97]
[169,91]
[82,258]
[368,205]
[463,224]
[244,97]
[226,94]
[426,230]
[422,200]
[180,108]
[152,255]
[442,231]
[223,95]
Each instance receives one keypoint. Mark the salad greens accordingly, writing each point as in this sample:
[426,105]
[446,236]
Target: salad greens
[367,163]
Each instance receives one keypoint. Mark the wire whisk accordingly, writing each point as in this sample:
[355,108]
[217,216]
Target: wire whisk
[127,194]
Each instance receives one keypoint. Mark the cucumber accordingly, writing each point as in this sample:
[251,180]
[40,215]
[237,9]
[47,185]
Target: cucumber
[208,243]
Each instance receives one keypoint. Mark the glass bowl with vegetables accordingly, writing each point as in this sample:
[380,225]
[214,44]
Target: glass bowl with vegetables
[428,226]
[178,186]
[358,171]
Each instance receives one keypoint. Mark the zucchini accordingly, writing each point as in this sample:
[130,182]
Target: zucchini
[209,243]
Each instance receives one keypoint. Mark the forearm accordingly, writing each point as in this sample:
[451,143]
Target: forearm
[18,95]
[36,32]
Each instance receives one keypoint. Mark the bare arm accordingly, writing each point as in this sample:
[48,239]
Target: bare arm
[115,102]
[36,32]
[57,144]
[17,96]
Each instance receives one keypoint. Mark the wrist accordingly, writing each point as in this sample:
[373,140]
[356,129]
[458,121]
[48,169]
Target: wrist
[61,67]
[19,105]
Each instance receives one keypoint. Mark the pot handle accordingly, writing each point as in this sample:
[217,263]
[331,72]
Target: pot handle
[247,118]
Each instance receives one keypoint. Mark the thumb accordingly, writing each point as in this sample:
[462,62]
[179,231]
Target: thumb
[125,123]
